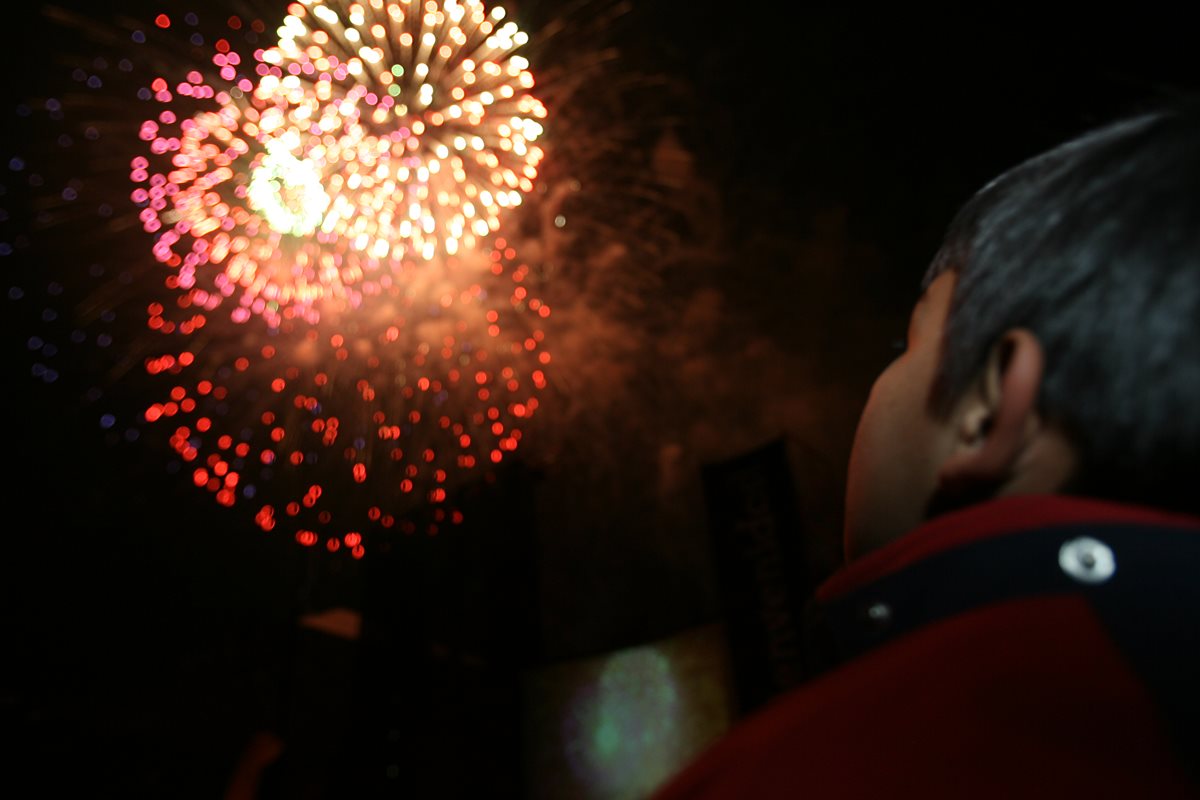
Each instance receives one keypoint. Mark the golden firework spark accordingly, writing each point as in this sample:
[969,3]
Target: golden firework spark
[373,137]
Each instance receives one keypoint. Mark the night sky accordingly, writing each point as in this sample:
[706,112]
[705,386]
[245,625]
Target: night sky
[774,183]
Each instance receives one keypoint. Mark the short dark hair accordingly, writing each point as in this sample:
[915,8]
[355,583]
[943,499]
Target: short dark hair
[1094,246]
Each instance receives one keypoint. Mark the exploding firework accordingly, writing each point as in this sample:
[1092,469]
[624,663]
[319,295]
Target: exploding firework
[370,135]
[335,332]
[342,423]
[325,389]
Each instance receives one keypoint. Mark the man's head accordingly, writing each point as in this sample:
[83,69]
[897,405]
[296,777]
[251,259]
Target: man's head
[1056,346]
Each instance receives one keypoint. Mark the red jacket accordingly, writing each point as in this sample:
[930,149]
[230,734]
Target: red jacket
[1031,646]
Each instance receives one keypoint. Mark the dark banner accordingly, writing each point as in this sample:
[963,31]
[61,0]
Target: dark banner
[757,538]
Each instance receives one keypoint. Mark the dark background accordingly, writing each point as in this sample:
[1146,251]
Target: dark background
[147,636]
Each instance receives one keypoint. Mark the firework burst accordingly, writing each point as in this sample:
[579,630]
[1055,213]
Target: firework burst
[335,333]
[370,136]
[179,275]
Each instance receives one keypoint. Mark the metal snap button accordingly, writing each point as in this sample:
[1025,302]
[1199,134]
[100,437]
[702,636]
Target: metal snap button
[1087,560]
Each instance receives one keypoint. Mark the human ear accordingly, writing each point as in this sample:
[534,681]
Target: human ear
[997,418]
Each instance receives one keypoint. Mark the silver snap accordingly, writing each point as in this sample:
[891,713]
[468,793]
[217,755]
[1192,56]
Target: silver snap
[1087,560]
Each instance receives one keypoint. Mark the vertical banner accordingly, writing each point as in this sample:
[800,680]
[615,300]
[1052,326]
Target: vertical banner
[757,540]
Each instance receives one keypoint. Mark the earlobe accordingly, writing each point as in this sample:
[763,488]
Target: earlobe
[997,418]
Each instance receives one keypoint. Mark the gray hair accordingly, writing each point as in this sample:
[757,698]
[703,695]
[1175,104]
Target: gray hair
[1094,246]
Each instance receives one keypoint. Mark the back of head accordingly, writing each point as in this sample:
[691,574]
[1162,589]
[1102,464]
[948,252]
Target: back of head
[1094,246]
